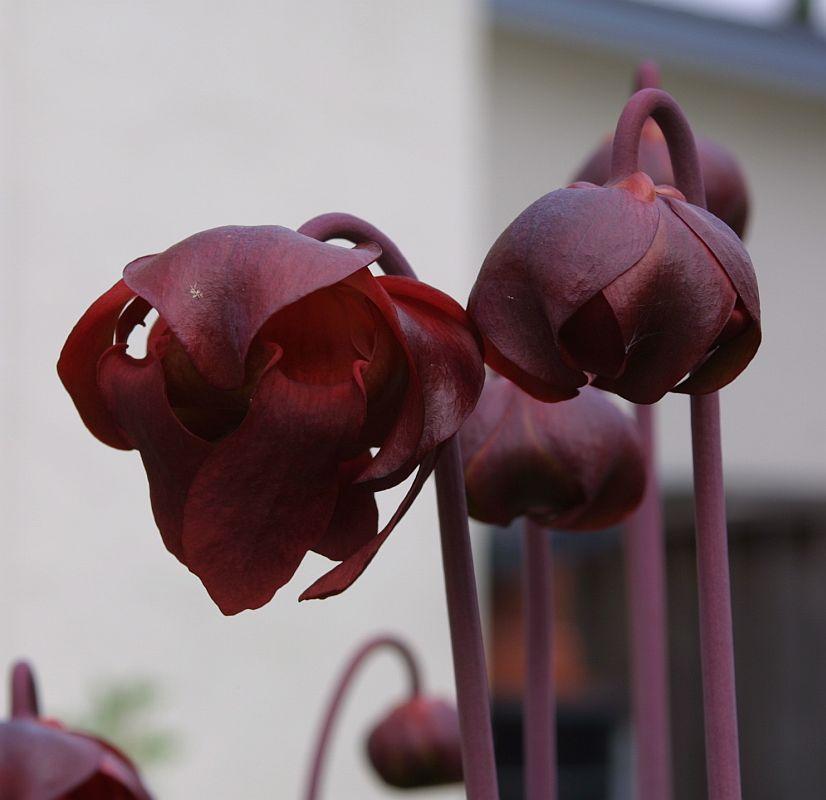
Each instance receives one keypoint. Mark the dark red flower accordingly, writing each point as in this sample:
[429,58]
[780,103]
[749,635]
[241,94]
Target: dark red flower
[417,745]
[627,285]
[41,760]
[575,465]
[277,366]
[727,195]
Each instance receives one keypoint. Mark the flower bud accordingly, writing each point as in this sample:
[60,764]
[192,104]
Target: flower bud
[40,758]
[627,286]
[417,745]
[576,465]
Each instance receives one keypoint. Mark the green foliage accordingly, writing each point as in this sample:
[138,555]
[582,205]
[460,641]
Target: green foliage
[121,713]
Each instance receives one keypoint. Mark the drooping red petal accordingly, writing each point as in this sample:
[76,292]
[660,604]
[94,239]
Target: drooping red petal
[446,351]
[117,774]
[613,471]
[355,520]
[267,493]
[671,307]
[78,363]
[592,339]
[727,247]
[584,239]
[342,576]
[217,288]
[135,392]
[557,255]
[104,787]
[394,461]
[40,763]
[732,356]
[519,341]
[512,463]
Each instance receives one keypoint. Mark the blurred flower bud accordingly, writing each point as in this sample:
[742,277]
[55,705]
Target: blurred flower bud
[42,760]
[575,465]
[417,745]
[727,196]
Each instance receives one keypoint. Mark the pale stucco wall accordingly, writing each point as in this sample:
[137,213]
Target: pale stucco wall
[550,102]
[126,127]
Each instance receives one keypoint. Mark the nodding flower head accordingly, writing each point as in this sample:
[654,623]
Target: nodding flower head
[283,385]
[417,744]
[40,759]
[575,465]
[627,286]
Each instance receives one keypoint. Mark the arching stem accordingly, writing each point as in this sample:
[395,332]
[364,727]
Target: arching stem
[663,109]
[646,588]
[539,708]
[23,692]
[716,637]
[344,682]
[472,692]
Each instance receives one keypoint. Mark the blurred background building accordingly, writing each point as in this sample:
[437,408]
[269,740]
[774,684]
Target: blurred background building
[127,126]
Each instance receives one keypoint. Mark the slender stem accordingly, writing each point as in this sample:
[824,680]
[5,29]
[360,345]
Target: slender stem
[661,107]
[539,715]
[716,637]
[646,587]
[23,691]
[338,225]
[342,686]
[472,692]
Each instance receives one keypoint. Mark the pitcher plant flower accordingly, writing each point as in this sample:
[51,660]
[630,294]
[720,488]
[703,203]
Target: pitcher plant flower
[574,465]
[417,744]
[40,759]
[727,195]
[627,286]
[283,385]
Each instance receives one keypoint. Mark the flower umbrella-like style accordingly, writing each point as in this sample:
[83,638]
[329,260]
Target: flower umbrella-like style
[42,760]
[276,365]
[626,284]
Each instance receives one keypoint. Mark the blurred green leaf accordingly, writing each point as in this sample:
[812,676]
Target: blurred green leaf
[121,712]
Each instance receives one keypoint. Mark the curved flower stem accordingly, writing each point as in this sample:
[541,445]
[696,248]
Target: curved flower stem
[472,692]
[716,638]
[645,579]
[662,107]
[344,683]
[539,715]
[23,691]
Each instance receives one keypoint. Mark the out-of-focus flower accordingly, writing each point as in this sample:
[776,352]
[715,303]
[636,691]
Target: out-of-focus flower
[575,465]
[727,195]
[417,745]
[627,285]
[276,364]
[41,760]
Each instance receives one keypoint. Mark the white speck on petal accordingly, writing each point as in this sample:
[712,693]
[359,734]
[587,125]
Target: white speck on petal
[196,292]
